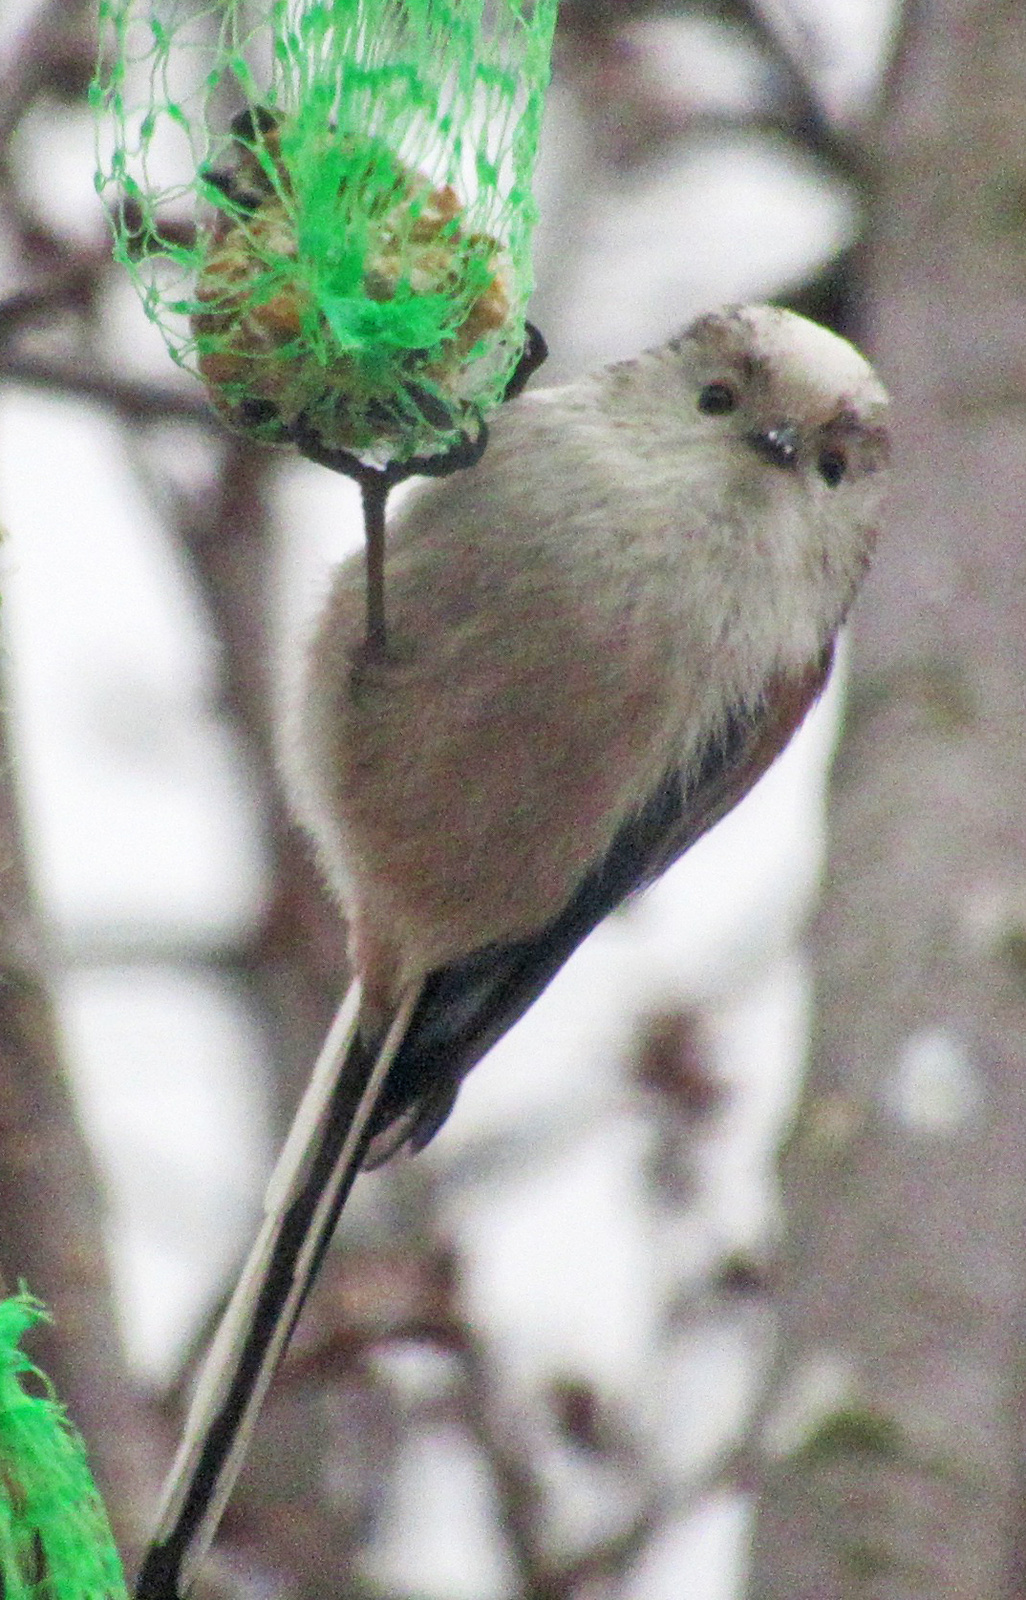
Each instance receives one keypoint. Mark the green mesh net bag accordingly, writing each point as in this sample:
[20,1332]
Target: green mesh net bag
[55,1541]
[326,205]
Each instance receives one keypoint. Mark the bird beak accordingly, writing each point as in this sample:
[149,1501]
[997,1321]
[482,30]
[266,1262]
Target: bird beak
[778,445]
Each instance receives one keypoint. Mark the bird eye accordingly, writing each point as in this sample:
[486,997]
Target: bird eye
[716,399]
[831,466]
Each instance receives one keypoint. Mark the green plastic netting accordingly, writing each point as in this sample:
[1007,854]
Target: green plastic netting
[55,1541]
[326,205]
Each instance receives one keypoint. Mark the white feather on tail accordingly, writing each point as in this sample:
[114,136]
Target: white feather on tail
[267,1300]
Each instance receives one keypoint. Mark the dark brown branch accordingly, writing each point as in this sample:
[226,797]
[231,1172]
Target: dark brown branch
[32,62]
[778,31]
[52,1213]
[133,398]
[71,288]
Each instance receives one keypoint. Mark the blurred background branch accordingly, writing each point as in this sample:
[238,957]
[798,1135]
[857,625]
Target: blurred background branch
[52,1210]
[905,1178]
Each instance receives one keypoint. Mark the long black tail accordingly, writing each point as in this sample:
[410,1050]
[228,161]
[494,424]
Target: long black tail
[322,1155]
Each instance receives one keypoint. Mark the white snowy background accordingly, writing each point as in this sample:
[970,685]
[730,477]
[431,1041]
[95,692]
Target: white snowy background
[147,849]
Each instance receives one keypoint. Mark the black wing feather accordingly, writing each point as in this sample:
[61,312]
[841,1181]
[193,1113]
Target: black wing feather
[466,1006]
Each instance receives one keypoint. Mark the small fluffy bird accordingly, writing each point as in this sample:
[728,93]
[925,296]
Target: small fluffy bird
[599,637]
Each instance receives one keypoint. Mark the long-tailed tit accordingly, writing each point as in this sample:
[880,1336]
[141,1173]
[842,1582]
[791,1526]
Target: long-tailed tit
[598,638]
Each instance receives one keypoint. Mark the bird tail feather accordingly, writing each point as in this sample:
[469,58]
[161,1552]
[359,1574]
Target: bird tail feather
[321,1157]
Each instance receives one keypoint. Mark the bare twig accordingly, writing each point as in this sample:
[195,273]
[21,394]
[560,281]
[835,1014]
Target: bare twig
[70,288]
[30,66]
[132,398]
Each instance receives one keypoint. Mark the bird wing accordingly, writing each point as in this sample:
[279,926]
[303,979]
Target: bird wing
[467,1005]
